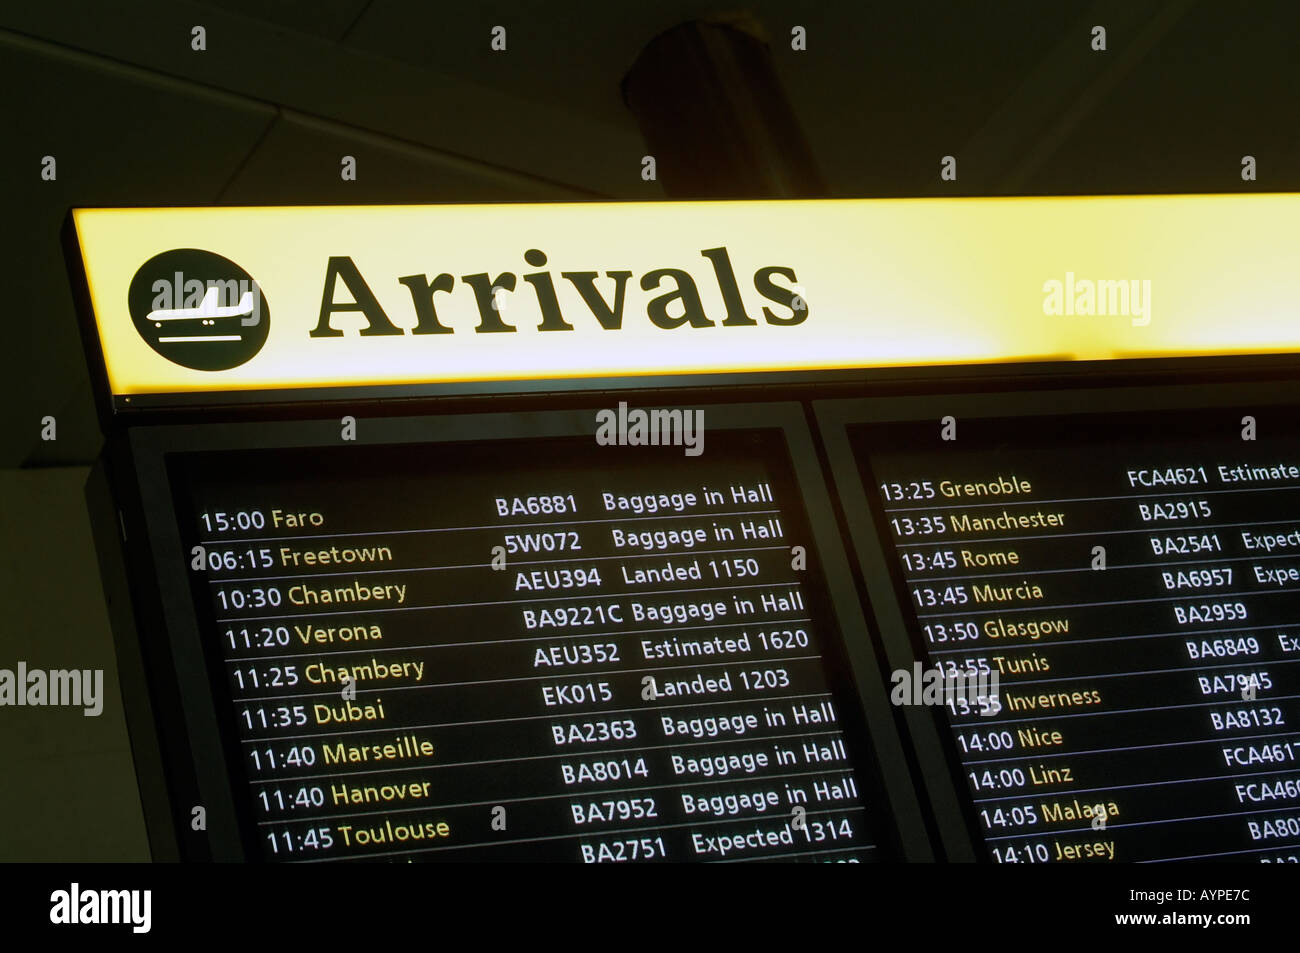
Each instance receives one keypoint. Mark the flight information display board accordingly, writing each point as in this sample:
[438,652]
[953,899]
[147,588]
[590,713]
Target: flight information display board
[1133,580]
[535,648]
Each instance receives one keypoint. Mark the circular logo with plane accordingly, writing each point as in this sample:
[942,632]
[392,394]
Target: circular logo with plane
[198,309]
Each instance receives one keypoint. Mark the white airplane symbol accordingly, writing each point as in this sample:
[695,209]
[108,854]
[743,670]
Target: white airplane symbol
[207,311]
[208,308]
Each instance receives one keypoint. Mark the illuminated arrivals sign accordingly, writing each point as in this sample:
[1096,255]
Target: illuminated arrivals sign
[249,299]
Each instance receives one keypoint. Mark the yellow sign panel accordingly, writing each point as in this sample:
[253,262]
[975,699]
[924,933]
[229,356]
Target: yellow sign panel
[228,299]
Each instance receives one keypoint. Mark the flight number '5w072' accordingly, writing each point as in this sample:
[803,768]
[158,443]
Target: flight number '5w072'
[561,541]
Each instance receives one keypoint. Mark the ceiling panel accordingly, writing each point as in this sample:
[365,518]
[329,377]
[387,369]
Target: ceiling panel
[421,103]
[326,18]
[300,160]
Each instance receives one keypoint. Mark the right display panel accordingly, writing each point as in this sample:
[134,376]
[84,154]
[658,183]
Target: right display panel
[1125,587]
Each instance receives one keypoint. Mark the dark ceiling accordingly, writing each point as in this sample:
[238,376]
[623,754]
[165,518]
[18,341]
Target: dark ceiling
[134,116]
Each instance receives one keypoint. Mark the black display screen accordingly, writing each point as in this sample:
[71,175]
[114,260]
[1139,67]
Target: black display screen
[1133,579]
[526,649]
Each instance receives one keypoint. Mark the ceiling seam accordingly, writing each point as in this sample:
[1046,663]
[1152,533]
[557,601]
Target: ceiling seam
[90,58]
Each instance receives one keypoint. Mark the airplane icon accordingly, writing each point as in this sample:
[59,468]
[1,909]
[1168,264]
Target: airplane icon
[209,312]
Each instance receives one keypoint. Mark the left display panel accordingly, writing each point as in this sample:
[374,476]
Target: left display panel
[492,638]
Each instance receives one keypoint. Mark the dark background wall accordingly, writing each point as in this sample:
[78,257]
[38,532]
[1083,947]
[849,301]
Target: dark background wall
[134,116]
